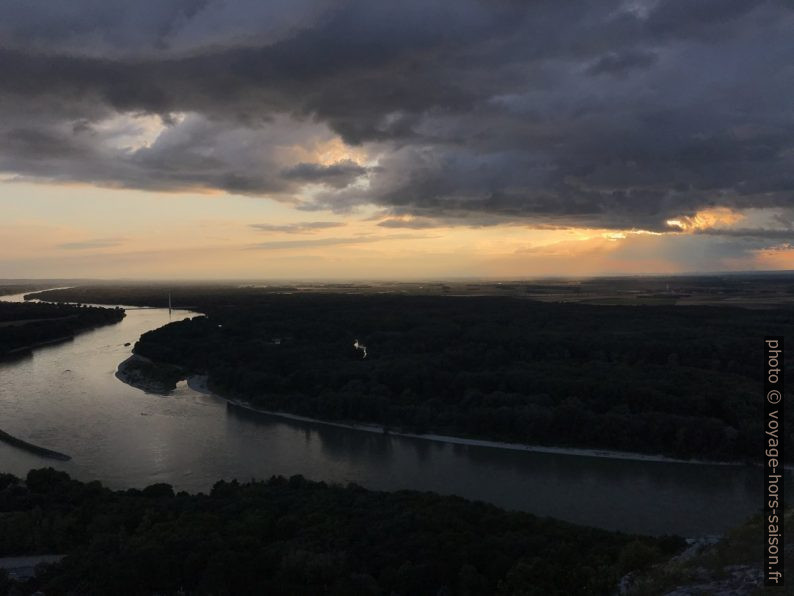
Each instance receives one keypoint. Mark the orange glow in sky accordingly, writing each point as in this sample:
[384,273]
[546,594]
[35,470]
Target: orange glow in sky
[57,230]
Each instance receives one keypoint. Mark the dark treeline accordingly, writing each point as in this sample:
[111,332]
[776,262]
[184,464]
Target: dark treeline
[293,537]
[678,381]
[17,288]
[23,325]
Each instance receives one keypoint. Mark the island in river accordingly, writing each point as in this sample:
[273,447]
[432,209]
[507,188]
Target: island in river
[656,379]
[24,326]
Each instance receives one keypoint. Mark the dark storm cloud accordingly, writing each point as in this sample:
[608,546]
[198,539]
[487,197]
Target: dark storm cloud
[621,63]
[337,175]
[750,233]
[615,113]
[413,224]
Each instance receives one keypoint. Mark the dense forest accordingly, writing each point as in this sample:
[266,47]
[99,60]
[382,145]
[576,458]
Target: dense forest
[24,325]
[672,380]
[293,536]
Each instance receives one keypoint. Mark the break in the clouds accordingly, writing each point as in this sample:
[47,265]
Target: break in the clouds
[612,114]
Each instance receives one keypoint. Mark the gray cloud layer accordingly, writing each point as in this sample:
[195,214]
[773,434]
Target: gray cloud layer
[298,228]
[614,113]
[92,244]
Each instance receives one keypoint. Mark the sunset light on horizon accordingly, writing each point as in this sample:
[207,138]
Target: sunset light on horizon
[362,140]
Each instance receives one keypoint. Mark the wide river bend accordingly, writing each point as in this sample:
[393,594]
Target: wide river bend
[65,397]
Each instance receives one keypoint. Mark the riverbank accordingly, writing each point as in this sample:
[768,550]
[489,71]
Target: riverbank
[144,374]
[31,448]
[23,350]
[27,326]
[199,383]
[152,377]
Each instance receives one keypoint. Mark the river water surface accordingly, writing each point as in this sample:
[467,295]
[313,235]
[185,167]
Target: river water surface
[65,397]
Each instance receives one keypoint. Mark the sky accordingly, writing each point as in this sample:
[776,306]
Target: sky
[335,139]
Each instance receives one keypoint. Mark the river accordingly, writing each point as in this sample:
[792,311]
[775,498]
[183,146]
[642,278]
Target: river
[65,397]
